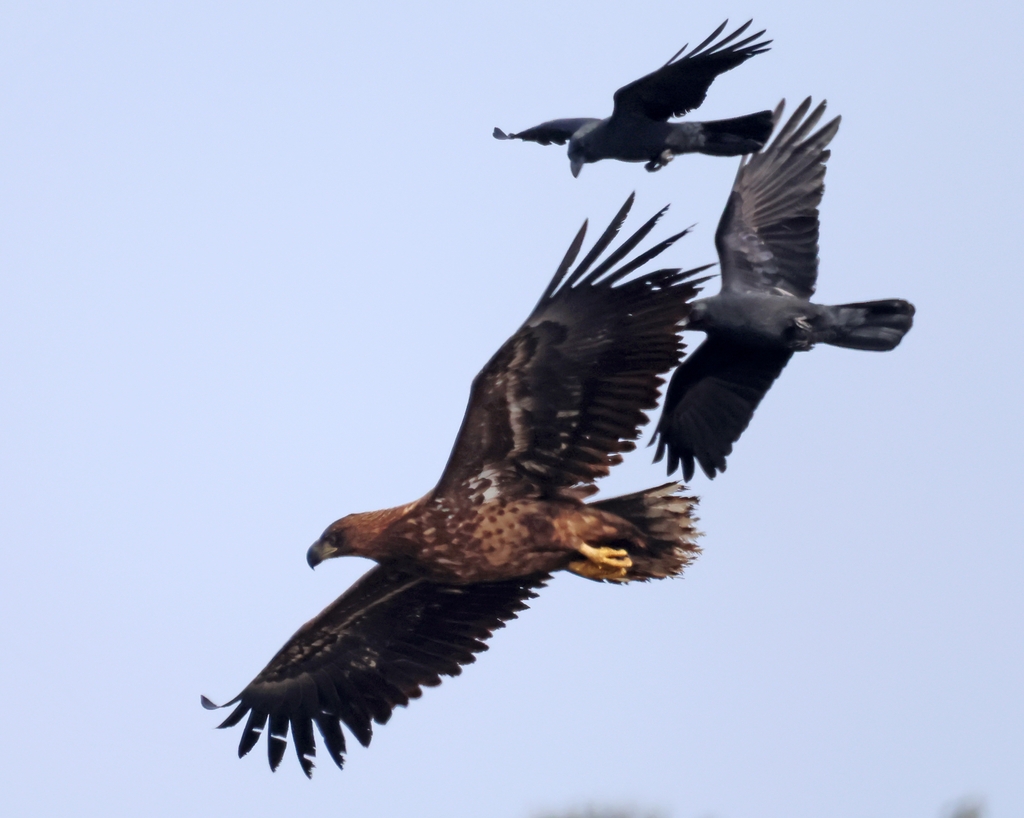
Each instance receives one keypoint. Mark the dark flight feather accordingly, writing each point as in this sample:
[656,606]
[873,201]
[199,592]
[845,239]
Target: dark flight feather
[373,649]
[566,395]
[767,238]
[682,84]
[713,397]
[555,131]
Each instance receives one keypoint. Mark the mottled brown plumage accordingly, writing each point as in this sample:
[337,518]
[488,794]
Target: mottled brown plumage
[550,413]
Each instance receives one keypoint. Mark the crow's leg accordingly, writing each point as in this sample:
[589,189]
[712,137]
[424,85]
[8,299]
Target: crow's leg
[663,159]
[800,334]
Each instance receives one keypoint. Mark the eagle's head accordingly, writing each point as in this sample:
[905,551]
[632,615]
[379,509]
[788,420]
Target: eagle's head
[332,543]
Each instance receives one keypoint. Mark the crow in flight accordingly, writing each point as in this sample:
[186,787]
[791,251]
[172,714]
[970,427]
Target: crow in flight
[638,129]
[767,243]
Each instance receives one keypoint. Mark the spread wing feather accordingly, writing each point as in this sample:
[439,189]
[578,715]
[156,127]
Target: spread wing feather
[566,395]
[710,401]
[557,131]
[767,238]
[374,648]
[682,83]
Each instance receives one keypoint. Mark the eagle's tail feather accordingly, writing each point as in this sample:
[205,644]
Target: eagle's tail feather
[665,518]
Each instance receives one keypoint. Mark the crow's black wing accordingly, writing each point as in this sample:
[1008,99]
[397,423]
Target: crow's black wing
[682,83]
[767,238]
[370,650]
[557,131]
[711,399]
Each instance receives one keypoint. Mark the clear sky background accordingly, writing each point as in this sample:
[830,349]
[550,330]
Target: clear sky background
[251,256]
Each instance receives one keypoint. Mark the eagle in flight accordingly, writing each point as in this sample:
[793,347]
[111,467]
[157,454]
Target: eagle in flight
[639,129]
[767,241]
[549,414]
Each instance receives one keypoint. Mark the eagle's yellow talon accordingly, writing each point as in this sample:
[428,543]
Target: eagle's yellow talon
[602,563]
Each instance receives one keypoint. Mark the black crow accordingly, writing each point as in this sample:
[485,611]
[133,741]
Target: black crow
[767,243]
[638,129]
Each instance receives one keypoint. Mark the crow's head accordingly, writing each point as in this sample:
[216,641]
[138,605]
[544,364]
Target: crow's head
[580,148]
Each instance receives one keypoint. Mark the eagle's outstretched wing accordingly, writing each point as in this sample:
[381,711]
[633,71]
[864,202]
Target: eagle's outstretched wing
[565,396]
[767,238]
[557,131]
[370,650]
[682,83]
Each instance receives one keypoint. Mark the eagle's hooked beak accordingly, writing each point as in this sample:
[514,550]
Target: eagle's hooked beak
[575,165]
[318,552]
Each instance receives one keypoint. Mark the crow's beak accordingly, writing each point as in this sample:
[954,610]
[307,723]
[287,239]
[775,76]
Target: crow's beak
[576,165]
[318,552]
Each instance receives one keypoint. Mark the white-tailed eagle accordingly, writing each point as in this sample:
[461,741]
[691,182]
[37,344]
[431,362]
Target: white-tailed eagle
[549,414]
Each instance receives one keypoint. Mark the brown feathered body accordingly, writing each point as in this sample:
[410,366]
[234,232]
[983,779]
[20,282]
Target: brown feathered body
[551,412]
[492,539]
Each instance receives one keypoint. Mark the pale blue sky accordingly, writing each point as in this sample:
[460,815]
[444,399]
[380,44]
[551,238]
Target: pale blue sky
[251,256]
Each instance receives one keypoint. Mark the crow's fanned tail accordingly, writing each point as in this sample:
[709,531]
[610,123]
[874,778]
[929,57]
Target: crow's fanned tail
[877,326]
